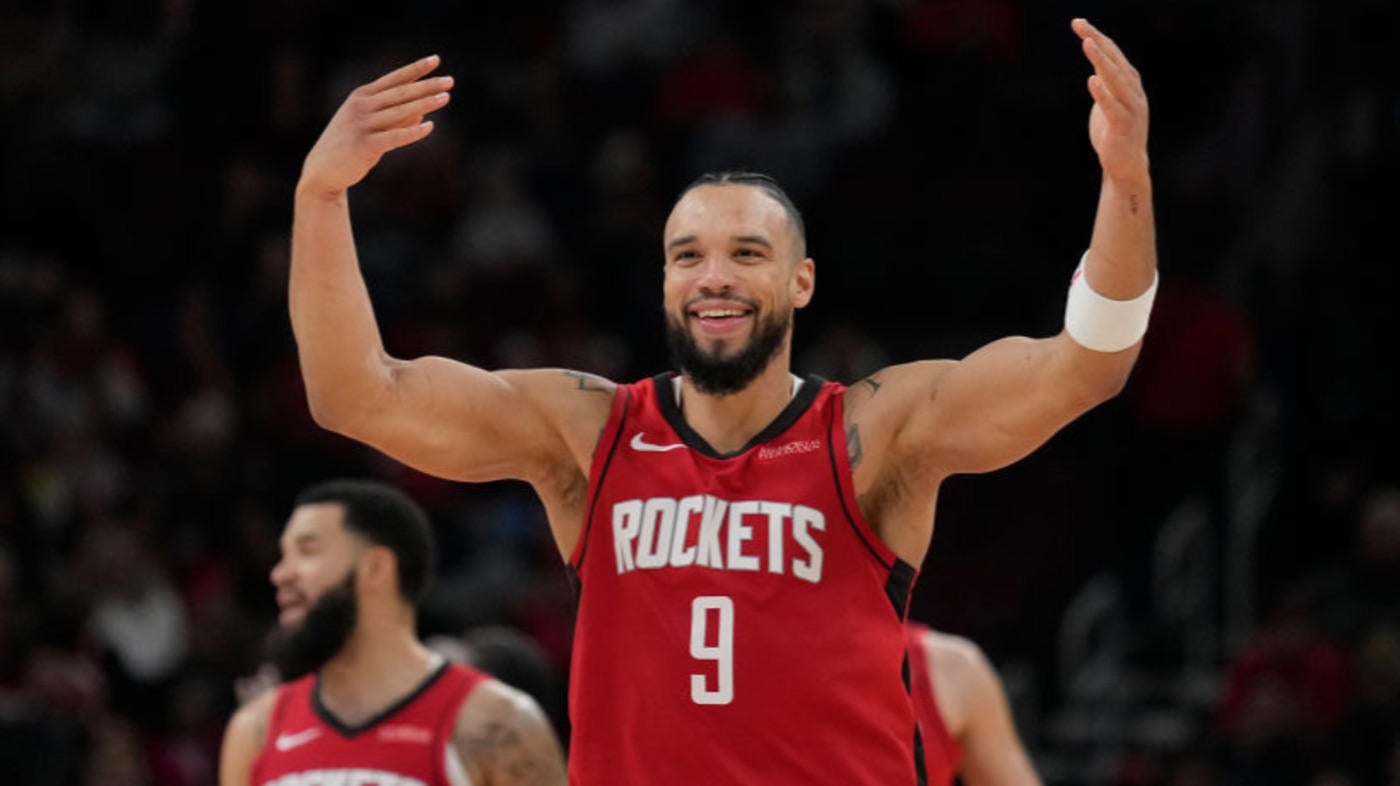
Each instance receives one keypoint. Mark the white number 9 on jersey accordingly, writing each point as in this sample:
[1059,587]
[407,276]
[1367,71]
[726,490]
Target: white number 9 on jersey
[721,652]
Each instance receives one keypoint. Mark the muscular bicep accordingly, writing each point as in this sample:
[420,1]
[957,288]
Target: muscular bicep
[243,739]
[457,421]
[504,739]
[1007,398]
[992,751]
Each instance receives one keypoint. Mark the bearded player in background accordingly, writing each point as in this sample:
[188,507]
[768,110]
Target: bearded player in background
[364,700]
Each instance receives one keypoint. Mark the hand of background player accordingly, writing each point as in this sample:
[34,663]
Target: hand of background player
[1118,121]
[376,118]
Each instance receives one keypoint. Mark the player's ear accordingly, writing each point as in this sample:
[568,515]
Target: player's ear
[804,282]
[379,568]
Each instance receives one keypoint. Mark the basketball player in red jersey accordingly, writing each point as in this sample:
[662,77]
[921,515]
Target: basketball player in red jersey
[733,528]
[968,731]
[365,701]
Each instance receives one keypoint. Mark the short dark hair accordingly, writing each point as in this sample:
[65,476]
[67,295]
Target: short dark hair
[765,183]
[384,516]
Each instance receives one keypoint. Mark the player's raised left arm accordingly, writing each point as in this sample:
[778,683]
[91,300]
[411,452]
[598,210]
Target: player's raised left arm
[1007,398]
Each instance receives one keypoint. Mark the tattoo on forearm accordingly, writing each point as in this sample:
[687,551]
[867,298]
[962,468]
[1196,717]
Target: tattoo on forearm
[586,382]
[853,444]
[501,750]
[874,382]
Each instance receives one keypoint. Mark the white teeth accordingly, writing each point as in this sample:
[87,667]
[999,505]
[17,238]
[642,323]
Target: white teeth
[715,314]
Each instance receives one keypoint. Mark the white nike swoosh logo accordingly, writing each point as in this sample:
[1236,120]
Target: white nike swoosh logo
[638,443]
[286,742]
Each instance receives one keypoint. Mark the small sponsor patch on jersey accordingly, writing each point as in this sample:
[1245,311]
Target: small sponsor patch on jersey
[402,733]
[795,448]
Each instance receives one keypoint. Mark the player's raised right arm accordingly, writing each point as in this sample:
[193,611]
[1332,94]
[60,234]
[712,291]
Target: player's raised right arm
[437,415]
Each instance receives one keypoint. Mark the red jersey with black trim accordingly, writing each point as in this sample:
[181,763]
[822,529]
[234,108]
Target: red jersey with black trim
[942,753]
[739,621]
[406,745]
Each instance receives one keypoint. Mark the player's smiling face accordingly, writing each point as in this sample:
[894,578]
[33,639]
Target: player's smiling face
[733,276]
[318,555]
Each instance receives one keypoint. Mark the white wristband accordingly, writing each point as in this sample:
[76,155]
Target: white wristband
[1102,324]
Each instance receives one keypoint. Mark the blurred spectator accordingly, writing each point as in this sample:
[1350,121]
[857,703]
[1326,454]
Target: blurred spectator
[1285,691]
[606,35]
[186,752]
[961,28]
[1365,738]
[138,617]
[504,232]
[719,82]
[116,758]
[845,352]
[1363,590]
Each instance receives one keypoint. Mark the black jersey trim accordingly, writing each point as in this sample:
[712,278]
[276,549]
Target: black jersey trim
[602,476]
[666,400]
[346,730]
[920,765]
[899,585]
[575,583]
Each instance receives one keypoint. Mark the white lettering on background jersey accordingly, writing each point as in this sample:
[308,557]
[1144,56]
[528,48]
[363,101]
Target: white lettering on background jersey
[344,777]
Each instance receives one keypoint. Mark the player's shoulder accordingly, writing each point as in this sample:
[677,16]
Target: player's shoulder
[957,657]
[247,729]
[569,396]
[559,383]
[494,704]
[560,377]
[900,383]
[502,735]
[575,404]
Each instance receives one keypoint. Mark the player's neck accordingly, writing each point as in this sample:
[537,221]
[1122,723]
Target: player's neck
[374,670]
[727,423]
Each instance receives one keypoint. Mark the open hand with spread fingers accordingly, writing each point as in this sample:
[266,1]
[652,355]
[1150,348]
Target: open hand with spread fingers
[378,117]
[1118,121]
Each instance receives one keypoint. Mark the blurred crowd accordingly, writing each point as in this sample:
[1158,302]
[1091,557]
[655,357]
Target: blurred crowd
[154,427]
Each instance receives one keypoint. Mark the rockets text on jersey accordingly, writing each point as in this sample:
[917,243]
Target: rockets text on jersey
[711,532]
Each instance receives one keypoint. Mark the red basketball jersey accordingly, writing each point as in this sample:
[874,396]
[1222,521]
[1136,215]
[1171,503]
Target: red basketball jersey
[739,621]
[406,745]
[942,754]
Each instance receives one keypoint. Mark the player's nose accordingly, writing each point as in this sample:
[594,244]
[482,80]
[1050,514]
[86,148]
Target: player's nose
[716,274]
[280,574]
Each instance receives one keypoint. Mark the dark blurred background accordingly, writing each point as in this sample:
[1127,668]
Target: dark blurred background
[1198,583]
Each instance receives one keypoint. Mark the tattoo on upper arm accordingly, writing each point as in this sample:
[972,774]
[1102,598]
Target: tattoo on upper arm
[874,382]
[502,750]
[853,444]
[587,382]
[1132,203]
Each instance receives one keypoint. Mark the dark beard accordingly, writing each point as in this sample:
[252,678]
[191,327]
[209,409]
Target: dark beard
[722,376]
[325,628]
